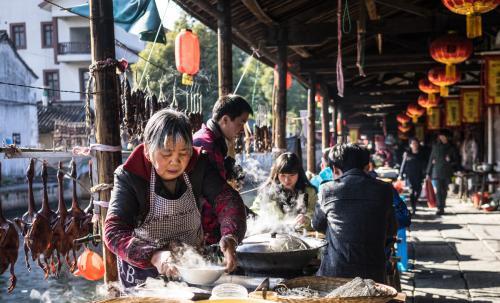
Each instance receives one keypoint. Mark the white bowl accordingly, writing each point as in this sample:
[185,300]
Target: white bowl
[202,275]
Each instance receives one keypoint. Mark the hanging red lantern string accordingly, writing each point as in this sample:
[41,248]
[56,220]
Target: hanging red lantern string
[437,76]
[414,112]
[472,9]
[451,49]
[427,87]
[426,102]
[318,97]
[402,118]
[187,55]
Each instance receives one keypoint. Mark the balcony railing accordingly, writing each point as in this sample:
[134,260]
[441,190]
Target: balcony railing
[68,48]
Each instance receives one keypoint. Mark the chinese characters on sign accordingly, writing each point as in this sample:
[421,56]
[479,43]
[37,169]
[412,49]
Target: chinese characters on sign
[433,118]
[452,112]
[470,99]
[492,76]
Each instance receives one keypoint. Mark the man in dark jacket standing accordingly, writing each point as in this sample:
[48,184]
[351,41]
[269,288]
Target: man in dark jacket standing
[355,210]
[440,168]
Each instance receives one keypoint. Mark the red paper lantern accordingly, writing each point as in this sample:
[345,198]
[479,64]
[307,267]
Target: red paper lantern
[404,128]
[472,9]
[289,78]
[451,49]
[187,52]
[402,118]
[425,102]
[437,76]
[427,87]
[414,112]
[318,97]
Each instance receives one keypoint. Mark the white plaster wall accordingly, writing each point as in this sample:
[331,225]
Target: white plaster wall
[18,112]
[38,58]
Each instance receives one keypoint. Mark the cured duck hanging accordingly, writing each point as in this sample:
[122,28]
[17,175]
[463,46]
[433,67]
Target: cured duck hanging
[9,245]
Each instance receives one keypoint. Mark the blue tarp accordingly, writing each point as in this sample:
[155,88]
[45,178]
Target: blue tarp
[139,17]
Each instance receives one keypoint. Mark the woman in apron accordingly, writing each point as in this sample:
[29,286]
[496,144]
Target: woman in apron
[158,201]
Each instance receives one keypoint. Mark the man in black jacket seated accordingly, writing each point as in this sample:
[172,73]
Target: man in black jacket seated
[355,211]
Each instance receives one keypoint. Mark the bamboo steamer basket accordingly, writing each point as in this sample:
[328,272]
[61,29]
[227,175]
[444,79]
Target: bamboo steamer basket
[327,284]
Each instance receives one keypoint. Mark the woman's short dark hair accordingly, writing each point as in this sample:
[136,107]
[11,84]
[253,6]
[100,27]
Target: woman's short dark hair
[231,105]
[347,156]
[166,124]
[289,163]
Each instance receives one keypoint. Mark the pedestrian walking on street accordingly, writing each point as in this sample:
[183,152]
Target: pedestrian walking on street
[442,163]
[413,170]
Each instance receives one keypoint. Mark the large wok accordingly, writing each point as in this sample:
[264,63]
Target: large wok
[271,253]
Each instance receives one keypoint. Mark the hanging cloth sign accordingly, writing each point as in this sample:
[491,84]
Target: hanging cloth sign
[420,132]
[433,118]
[492,77]
[452,112]
[470,99]
[354,135]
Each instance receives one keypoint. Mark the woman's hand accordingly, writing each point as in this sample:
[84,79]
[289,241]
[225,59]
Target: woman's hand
[302,220]
[164,261]
[228,247]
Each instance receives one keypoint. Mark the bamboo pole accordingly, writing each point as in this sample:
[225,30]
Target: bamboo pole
[106,110]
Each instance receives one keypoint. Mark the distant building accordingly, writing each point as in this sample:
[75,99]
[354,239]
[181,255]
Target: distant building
[56,44]
[18,112]
[61,125]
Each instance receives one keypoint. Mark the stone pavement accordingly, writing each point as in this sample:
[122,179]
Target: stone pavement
[455,257]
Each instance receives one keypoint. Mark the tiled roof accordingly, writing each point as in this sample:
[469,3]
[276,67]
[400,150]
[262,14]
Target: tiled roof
[62,110]
[5,37]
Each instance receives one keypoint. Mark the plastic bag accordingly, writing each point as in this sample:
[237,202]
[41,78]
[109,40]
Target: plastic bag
[430,194]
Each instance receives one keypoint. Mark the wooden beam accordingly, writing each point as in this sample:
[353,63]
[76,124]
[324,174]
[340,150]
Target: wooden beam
[325,121]
[281,99]
[224,50]
[254,7]
[107,124]
[406,6]
[371,9]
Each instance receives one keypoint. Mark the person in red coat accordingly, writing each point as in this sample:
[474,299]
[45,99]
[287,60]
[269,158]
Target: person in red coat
[157,198]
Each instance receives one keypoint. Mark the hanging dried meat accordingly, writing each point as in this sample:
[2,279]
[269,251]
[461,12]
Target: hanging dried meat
[60,239]
[39,236]
[9,246]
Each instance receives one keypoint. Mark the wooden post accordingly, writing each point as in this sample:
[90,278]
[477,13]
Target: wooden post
[106,109]
[334,122]
[311,126]
[224,52]
[325,122]
[281,98]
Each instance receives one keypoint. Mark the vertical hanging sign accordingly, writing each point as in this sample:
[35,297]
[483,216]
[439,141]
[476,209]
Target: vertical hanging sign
[354,134]
[420,132]
[492,80]
[470,99]
[433,118]
[452,112]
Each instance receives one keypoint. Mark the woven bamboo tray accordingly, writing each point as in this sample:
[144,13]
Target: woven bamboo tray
[327,284]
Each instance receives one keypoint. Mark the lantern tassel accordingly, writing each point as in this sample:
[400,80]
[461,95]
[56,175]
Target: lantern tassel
[443,91]
[474,26]
[431,97]
[451,70]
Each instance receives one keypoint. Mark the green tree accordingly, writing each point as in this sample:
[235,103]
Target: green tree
[256,86]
